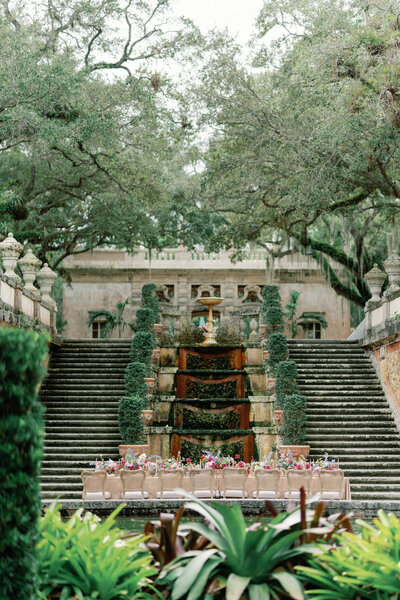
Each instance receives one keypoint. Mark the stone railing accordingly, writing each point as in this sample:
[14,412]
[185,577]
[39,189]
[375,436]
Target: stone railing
[382,310]
[21,303]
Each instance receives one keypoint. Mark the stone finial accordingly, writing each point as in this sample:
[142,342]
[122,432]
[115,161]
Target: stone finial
[392,268]
[46,278]
[375,279]
[29,265]
[10,250]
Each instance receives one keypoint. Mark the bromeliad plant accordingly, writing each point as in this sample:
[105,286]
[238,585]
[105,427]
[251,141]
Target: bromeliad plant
[256,563]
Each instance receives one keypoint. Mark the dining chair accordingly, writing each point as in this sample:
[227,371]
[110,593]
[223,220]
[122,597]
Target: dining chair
[234,482]
[94,485]
[331,484]
[202,482]
[296,480]
[170,480]
[267,483]
[133,484]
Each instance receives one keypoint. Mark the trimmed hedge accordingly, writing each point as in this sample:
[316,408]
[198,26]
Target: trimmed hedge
[278,349]
[272,298]
[286,381]
[274,319]
[294,428]
[142,347]
[21,445]
[131,425]
[135,384]
[150,300]
[144,320]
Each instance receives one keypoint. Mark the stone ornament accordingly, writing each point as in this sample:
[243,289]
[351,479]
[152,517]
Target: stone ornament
[375,279]
[30,265]
[46,278]
[10,250]
[392,268]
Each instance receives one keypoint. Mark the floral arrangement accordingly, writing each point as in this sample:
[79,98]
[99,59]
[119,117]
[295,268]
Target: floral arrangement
[109,466]
[324,464]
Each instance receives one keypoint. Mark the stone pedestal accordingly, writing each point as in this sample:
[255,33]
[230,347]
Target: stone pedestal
[159,441]
[262,410]
[254,356]
[265,438]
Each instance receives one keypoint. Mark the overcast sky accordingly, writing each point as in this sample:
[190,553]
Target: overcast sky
[237,15]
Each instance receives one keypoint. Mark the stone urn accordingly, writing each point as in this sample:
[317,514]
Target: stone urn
[296,451]
[30,265]
[147,416]
[46,278]
[392,268]
[155,356]
[375,279]
[10,250]
[151,382]
[137,449]
[278,417]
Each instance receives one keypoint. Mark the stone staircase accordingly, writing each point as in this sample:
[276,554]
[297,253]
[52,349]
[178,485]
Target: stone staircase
[348,415]
[81,393]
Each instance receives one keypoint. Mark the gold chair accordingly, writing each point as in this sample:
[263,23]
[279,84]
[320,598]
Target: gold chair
[133,484]
[296,480]
[267,483]
[202,482]
[331,484]
[170,480]
[234,482]
[93,485]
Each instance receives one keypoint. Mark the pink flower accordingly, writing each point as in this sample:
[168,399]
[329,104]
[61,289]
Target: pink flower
[241,464]
[268,467]
[188,460]
[237,455]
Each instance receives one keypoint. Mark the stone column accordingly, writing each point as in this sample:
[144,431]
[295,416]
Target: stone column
[159,441]
[228,293]
[183,293]
[10,250]
[29,266]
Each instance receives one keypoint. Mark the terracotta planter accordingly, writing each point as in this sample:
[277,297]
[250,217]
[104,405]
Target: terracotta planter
[158,328]
[136,448]
[271,384]
[150,383]
[296,451]
[155,356]
[266,355]
[278,417]
[147,416]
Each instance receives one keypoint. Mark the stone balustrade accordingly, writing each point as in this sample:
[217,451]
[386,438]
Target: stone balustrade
[21,303]
[383,310]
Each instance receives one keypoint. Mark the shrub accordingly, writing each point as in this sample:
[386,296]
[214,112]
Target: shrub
[189,333]
[131,425]
[274,319]
[286,380]
[21,442]
[277,348]
[135,384]
[272,297]
[228,333]
[150,300]
[86,558]
[142,346]
[359,568]
[294,428]
[145,320]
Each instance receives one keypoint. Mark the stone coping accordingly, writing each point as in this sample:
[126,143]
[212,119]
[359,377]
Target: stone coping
[382,334]
[152,508]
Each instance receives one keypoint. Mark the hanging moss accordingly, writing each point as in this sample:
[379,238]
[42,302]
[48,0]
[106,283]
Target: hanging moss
[209,420]
[195,389]
[208,362]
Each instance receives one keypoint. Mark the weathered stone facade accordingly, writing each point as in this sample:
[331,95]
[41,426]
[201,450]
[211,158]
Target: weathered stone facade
[100,279]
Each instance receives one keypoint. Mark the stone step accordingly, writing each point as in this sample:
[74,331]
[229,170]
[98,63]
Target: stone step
[58,481]
[336,379]
[73,486]
[68,471]
[373,480]
[88,438]
[331,436]
[100,427]
[48,394]
[348,392]
[319,387]
[59,495]
[332,362]
[367,452]
[347,421]
[85,379]
[363,495]
[364,408]
[63,415]
[79,463]
[95,387]
[93,449]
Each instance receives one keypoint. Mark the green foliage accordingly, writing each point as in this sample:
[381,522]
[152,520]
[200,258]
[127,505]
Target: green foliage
[228,333]
[195,451]
[365,566]
[135,384]
[114,319]
[197,389]
[189,333]
[278,350]
[142,346]
[256,562]
[86,558]
[271,298]
[131,425]
[150,300]
[294,427]
[286,380]
[145,320]
[274,319]
[21,442]
[210,420]
[305,317]
[208,362]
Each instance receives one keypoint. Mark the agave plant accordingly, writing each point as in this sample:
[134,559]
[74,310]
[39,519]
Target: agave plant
[240,562]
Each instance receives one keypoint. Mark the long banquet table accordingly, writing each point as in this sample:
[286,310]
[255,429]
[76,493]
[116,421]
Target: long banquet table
[152,485]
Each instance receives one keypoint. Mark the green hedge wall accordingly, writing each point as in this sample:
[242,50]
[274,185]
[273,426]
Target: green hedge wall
[21,442]
[294,428]
[131,425]
[135,384]
[278,350]
[142,346]
[286,381]
[144,320]
[271,298]
[150,300]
